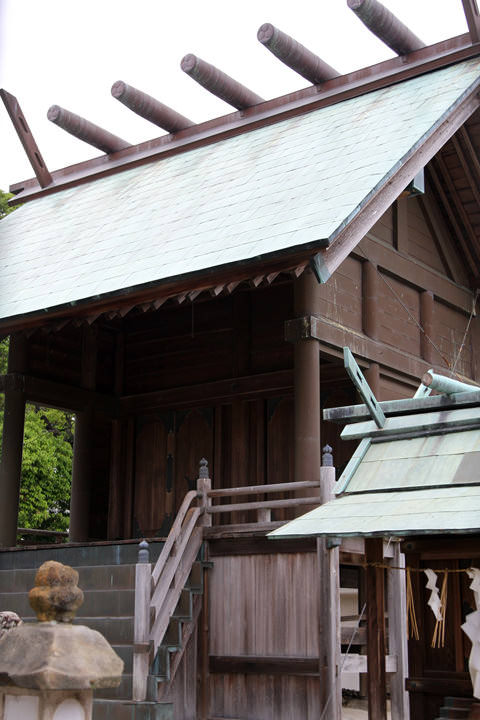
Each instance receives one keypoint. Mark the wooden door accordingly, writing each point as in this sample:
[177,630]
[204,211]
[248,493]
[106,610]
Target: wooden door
[168,449]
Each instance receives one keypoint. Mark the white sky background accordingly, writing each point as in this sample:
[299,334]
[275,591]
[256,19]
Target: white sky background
[70,53]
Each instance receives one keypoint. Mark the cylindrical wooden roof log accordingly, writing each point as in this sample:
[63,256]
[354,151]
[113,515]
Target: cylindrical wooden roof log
[86,130]
[388,28]
[295,55]
[218,83]
[150,108]
[446,385]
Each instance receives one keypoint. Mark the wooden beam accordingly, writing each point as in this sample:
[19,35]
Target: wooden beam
[400,224]
[370,315]
[462,213]
[284,665]
[391,408]
[470,8]
[329,629]
[377,693]
[59,395]
[466,169]
[26,138]
[341,244]
[335,90]
[244,387]
[472,153]
[332,336]
[422,277]
[439,230]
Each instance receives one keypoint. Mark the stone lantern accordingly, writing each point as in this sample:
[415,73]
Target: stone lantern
[49,669]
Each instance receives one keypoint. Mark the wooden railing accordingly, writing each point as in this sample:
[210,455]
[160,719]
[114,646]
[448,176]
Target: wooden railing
[157,592]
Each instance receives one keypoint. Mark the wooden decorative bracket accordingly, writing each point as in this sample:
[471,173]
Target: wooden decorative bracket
[26,138]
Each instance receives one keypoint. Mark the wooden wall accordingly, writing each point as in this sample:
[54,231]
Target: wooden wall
[264,606]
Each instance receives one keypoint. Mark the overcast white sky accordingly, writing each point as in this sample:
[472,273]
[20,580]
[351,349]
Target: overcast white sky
[70,53]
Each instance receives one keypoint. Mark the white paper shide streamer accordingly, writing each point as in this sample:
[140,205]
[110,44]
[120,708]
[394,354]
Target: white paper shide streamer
[471,627]
[434,599]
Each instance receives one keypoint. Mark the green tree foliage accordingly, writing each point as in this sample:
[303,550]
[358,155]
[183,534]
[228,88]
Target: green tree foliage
[4,208]
[47,454]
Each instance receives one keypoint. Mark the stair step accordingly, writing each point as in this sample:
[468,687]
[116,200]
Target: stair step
[183,610]
[128,710]
[91,577]
[96,602]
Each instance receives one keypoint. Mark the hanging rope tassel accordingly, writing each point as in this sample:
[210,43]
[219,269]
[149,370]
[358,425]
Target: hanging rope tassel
[412,627]
[438,639]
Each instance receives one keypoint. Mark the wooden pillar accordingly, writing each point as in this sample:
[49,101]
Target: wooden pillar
[370,282]
[329,636]
[377,699]
[12,445]
[117,496]
[82,446]
[307,387]
[397,634]
[427,351]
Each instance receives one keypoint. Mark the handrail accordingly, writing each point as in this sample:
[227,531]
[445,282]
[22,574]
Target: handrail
[265,504]
[257,489]
[173,534]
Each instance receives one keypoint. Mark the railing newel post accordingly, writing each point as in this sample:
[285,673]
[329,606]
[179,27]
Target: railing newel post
[143,593]
[204,485]
[327,476]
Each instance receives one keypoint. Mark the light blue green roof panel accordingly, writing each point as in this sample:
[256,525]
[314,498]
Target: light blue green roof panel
[291,184]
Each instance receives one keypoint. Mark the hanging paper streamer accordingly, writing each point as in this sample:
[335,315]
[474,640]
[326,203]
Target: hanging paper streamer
[471,628]
[434,600]
[438,639]
[411,617]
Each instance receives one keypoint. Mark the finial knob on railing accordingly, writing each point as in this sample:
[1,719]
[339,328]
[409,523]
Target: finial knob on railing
[203,472]
[144,552]
[327,457]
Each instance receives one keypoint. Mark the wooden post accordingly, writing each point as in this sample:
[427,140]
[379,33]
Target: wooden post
[307,387]
[400,225]
[427,350]
[370,300]
[204,484]
[82,446]
[397,635]
[141,650]
[377,698]
[116,496]
[203,645]
[329,639]
[12,445]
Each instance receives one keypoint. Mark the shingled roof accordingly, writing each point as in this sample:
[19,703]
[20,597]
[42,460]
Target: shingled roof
[295,186]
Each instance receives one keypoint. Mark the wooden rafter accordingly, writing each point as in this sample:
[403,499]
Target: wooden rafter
[462,213]
[470,8]
[459,235]
[436,226]
[466,169]
[471,152]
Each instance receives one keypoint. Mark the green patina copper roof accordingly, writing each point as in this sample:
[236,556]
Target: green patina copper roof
[289,185]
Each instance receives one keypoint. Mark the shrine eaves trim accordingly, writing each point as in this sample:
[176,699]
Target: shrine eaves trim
[312,184]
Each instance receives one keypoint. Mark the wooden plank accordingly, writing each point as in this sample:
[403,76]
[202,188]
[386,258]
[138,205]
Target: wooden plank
[377,694]
[433,422]
[257,489]
[363,388]
[284,665]
[391,408]
[290,502]
[259,546]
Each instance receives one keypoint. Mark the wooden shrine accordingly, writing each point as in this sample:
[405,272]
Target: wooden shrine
[199,309]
